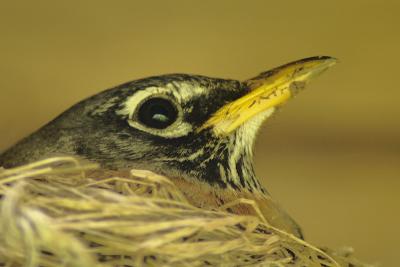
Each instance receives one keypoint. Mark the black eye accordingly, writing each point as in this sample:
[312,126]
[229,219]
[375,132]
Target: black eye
[157,113]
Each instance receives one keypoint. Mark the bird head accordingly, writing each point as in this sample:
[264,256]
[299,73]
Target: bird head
[179,125]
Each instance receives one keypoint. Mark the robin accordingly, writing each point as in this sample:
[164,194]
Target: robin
[196,130]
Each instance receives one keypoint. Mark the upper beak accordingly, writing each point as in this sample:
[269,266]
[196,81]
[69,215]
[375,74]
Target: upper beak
[268,91]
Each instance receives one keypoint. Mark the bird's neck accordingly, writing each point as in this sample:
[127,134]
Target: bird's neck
[227,163]
[238,171]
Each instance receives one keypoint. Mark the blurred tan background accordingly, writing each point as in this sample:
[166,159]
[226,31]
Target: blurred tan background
[331,157]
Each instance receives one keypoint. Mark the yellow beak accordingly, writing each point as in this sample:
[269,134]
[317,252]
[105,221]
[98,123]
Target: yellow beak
[268,91]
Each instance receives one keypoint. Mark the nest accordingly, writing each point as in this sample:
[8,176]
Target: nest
[58,212]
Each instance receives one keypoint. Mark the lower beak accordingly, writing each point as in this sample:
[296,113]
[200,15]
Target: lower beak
[268,91]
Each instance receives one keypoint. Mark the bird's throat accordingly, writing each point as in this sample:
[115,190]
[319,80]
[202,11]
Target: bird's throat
[239,167]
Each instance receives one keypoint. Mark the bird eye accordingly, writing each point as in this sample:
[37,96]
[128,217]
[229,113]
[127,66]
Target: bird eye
[157,113]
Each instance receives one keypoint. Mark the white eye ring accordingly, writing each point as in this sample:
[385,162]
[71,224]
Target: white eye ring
[134,103]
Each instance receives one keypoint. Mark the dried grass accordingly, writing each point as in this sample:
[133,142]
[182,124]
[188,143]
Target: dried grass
[55,213]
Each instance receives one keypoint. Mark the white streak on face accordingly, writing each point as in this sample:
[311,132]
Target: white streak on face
[184,91]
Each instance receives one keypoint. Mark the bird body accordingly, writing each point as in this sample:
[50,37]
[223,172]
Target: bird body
[210,197]
[196,130]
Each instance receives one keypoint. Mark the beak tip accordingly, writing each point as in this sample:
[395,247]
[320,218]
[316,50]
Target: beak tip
[330,61]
